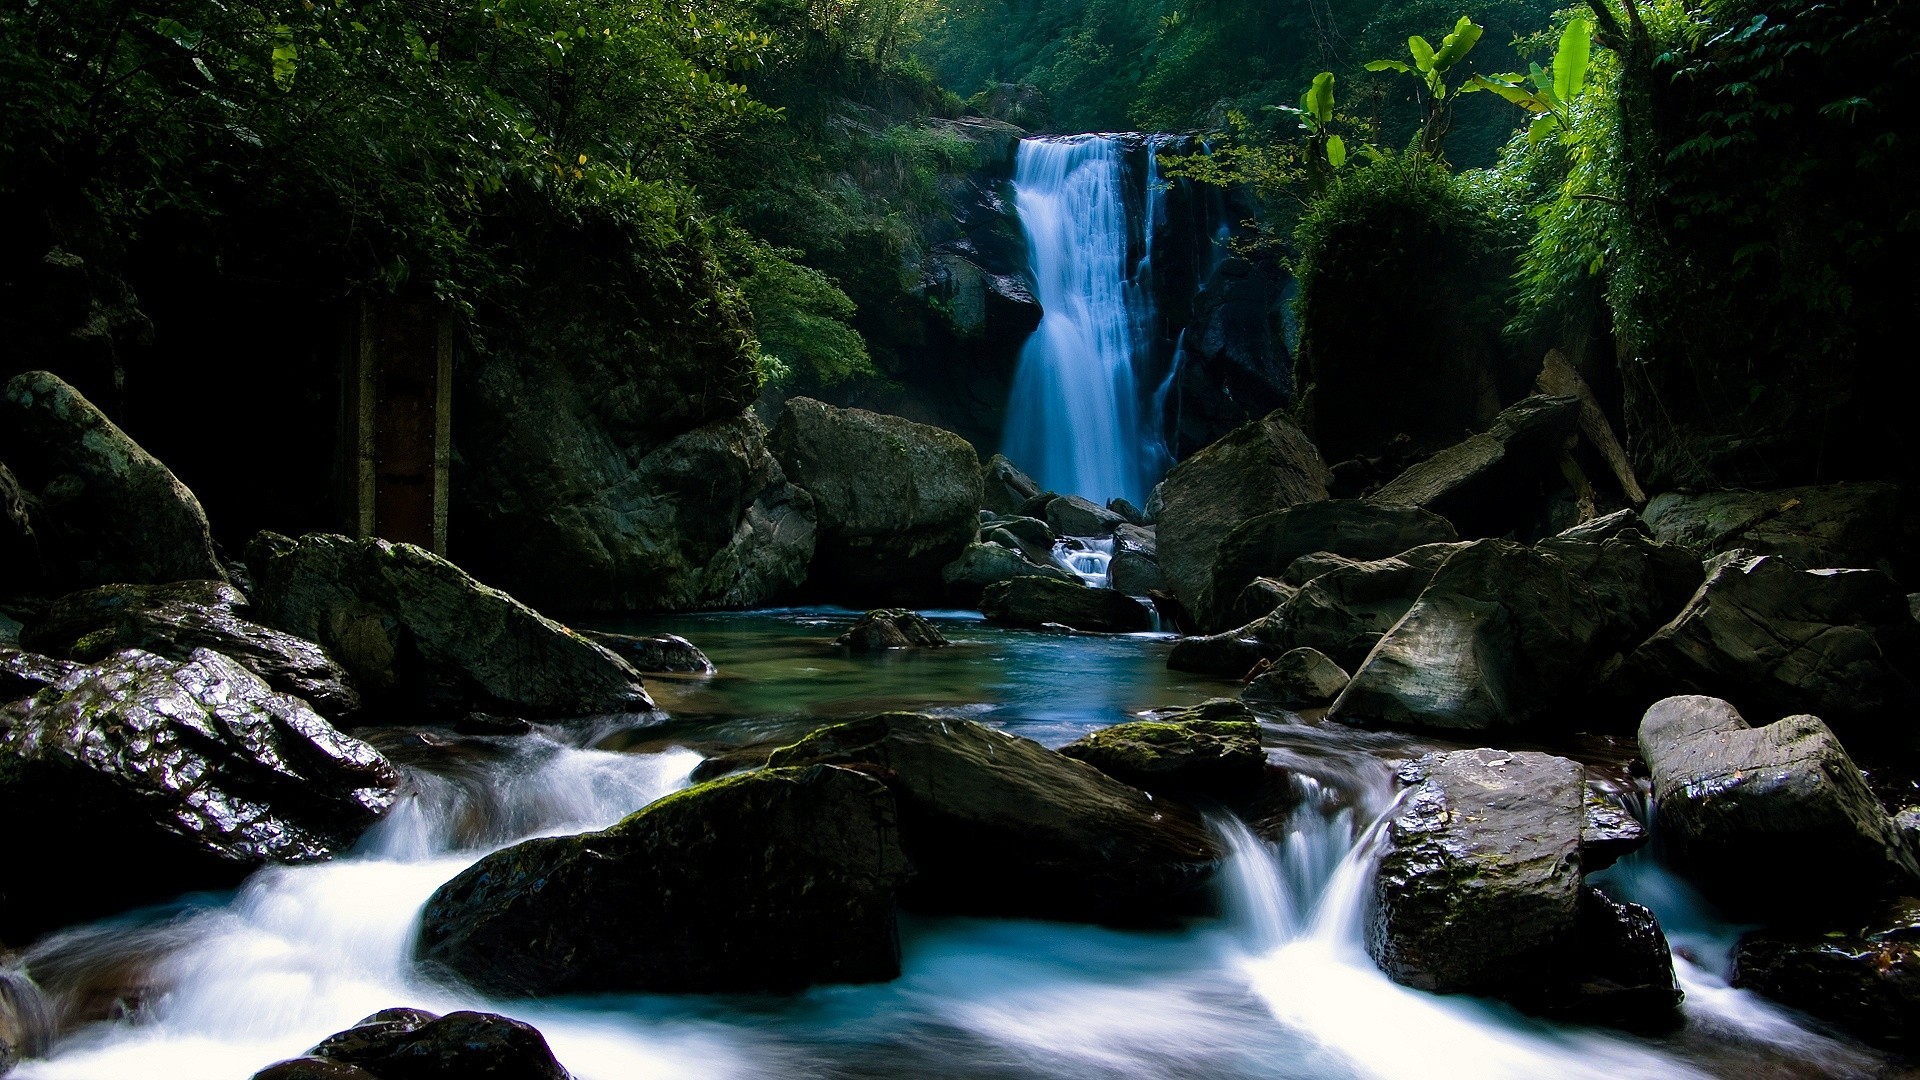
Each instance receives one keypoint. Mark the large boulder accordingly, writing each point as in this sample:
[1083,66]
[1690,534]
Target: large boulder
[1775,640]
[984,565]
[1775,820]
[1343,607]
[1830,525]
[1299,679]
[417,632]
[1037,601]
[1263,466]
[1479,891]
[1212,750]
[1865,978]
[999,825]
[1004,488]
[105,510]
[891,628]
[568,514]
[1135,568]
[196,773]
[1071,515]
[768,880]
[1476,483]
[654,653]
[896,501]
[24,674]
[412,1044]
[173,620]
[1267,544]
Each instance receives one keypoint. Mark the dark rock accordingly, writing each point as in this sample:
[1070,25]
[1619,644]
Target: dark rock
[21,570]
[1640,584]
[1625,969]
[1128,512]
[1343,607]
[998,825]
[174,619]
[417,632]
[491,726]
[1033,601]
[23,674]
[411,1044]
[1862,978]
[1212,749]
[1298,679]
[895,500]
[1610,831]
[891,628]
[1473,483]
[662,653]
[313,1068]
[982,565]
[1479,888]
[1262,597]
[198,770]
[1033,537]
[1071,515]
[1135,568]
[1776,640]
[1833,525]
[1266,545]
[769,880]
[1775,820]
[105,510]
[1232,654]
[1264,466]
[1006,487]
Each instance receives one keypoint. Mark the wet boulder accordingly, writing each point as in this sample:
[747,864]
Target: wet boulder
[24,674]
[174,619]
[1864,978]
[1257,468]
[896,501]
[1774,820]
[1212,750]
[417,632]
[654,653]
[1135,569]
[1610,832]
[1776,640]
[1267,544]
[1005,488]
[774,879]
[1299,679]
[1622,969]
[198,771]
[412,1044]
[1071,515]
[1829,525]
[891,628]
[984,565]
[105,510]
[998,825]
[1231,655]
[1474,483]
[1037,601]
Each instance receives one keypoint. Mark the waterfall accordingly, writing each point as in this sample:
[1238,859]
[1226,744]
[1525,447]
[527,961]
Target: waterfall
[1074,420]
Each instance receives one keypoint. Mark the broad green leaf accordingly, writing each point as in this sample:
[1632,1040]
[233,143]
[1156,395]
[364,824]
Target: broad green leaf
[1400,66]
[1570,62]
[284,57]
[1455,46]
[1511,91]
[1422,52]
[1543,126]
[1319,99]
[1336,151]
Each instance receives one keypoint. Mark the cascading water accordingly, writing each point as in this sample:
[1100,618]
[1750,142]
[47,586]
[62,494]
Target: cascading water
[1074,418]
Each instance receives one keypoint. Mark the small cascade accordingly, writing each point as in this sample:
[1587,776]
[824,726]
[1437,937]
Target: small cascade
[1088,556]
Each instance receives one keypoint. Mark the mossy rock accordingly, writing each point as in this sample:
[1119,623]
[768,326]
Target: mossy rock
[1212,749]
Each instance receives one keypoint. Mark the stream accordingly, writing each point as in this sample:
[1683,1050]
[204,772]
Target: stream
[1278,986]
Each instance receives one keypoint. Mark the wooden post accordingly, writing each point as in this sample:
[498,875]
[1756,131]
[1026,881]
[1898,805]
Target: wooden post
[400,393]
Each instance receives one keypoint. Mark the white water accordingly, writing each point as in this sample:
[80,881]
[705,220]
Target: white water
[1088,556]
[1073,421]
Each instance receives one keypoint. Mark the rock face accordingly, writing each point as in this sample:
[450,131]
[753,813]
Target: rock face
[417,632]
[1212,749]
[412,1044]
[896,501]
[1833,525]
[664,653]
[1472,483]
[175,619]
[1299,679]
[1776,640]
[24,674]
[998,825]
[1267,544]
[769,880]
[198,770]
[891,628]
[1034,602]
[1863,978]
[1005,489]
[1264,466]
[105,509]
[983,565]
[1775,820]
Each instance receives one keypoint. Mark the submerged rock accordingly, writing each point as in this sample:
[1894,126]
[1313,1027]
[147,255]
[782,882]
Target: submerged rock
[417,632]
[1863,978]
[105,509]
[1034,602]
[662,653]
[999,825]
[412,1044]
[984,565]
[768,880]
[1211,749]
[197,771]
[1298,679]
[891,628]
[896,501]
[173,620]
[1775,820]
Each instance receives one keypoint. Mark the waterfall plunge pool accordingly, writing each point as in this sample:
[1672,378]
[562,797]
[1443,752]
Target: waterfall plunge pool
[1279,986]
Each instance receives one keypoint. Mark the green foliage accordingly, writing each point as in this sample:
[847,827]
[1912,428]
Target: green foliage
[1552,93]
[1431,68]
[800,316]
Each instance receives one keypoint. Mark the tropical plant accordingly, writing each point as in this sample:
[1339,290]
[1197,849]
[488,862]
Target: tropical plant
[1546,94]
[1432,67]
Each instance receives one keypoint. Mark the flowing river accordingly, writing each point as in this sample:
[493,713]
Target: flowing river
[1278,986]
